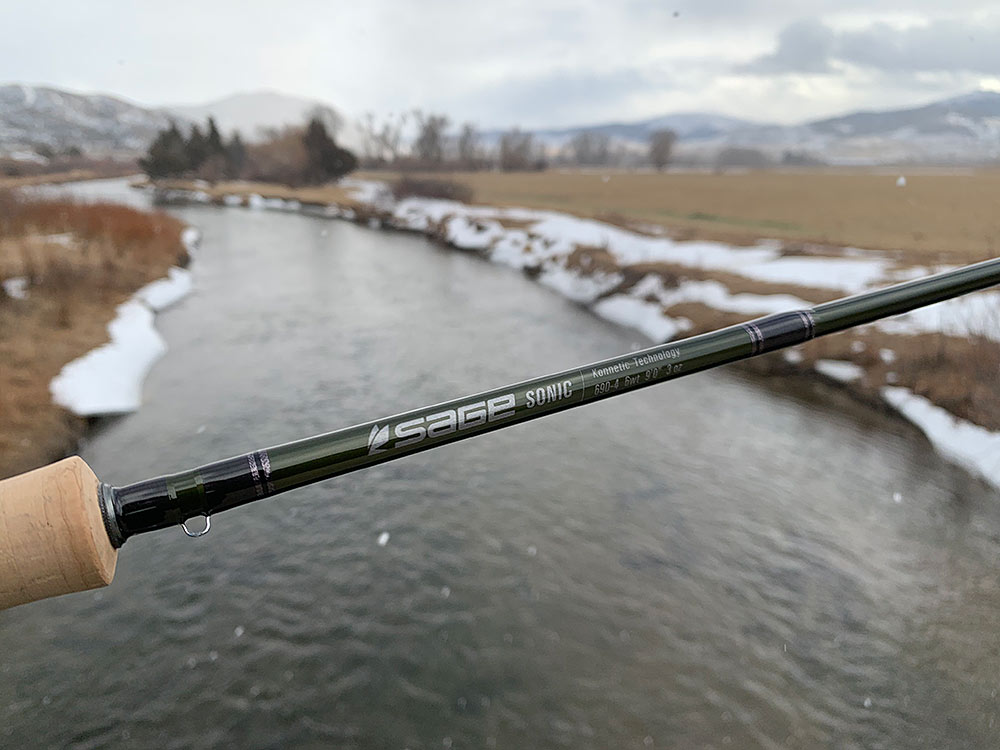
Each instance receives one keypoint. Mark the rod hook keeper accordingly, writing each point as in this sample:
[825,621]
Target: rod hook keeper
[202,532]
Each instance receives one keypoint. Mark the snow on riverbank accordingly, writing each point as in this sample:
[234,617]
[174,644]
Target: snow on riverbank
[967,444]
[553,234]
[108,380]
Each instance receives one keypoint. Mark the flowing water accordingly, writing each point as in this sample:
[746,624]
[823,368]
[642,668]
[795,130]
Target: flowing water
[708,563]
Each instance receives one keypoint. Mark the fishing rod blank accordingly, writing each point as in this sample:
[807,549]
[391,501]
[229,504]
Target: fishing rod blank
[60,528]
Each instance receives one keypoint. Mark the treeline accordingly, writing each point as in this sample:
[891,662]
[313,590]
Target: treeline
[418,141]
[293,156]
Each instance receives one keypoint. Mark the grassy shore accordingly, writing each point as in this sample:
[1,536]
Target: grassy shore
[77,263]
[76,174]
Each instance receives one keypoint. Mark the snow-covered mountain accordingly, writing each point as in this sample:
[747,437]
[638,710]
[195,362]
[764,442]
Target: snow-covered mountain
[36,116]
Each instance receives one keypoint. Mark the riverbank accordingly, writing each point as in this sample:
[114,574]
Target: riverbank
[70,275]
[76,174]
[937,367]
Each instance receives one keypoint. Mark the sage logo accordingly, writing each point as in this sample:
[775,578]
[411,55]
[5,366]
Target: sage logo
[440,423]
[378,437]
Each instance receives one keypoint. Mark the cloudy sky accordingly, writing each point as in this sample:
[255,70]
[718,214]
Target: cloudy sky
[527,62]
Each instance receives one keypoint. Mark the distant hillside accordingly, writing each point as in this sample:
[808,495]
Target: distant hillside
[959,129]
[975,115]
[36,116]
[962,128]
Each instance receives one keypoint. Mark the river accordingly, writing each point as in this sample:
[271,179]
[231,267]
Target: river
[708,563]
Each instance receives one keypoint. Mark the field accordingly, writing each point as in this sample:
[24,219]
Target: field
[76,263]
[938,216]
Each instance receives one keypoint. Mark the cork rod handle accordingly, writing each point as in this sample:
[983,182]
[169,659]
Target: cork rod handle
[52,536]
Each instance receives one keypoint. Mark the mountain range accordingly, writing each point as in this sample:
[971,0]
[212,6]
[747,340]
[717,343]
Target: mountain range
[964,128]
[959,129]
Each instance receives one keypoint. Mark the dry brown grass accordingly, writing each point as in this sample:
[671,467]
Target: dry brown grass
[957,374]
[938,216]
[100,255]
[91,171]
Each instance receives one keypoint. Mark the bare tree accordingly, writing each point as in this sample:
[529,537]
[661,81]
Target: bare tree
[370,144]
[590,148]
[661,144]
[390,136]
[429,146]
[516,150]
[468,146]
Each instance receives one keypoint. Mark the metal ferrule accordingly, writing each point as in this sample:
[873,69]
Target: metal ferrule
[110,515]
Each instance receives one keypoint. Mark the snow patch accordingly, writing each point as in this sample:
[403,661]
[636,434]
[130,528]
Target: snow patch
[716,295]
[644,316]
[965,443]
[843,372]
[108,379]
[579,287]
[191,238]
[64,239]
[15,287]
[971,315]
[367,191]
[470,234]
[162,293]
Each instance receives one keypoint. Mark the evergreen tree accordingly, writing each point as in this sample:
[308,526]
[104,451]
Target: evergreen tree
[235,156]
[197,148]
[213,141]
[167,155]
[326,160]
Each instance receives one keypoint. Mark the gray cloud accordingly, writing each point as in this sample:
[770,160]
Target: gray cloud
[937,46]
[534,62]
[803,47]
[581,96]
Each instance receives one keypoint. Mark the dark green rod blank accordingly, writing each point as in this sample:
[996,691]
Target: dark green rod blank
[175,498]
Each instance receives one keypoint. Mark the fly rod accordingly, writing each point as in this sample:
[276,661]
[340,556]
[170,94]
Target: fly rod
[61,528]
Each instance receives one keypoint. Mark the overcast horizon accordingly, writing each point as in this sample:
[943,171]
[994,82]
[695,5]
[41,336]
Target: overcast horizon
[534,64]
